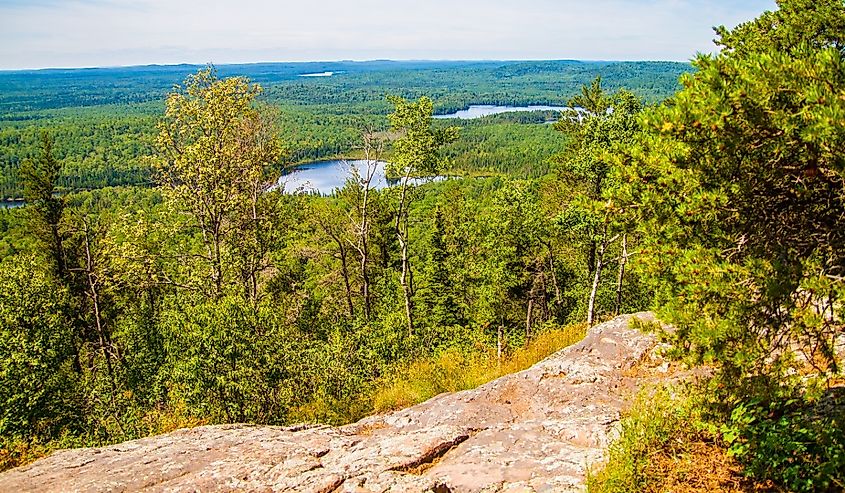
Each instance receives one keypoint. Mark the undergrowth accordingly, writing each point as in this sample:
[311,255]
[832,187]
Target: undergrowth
[455,369]
[697,438]
[665,443]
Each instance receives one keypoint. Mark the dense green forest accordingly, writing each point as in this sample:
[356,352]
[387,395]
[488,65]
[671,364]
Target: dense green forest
[103,119]
[155,279]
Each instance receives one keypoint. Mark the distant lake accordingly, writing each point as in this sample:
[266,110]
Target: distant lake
[479,110]
[324,177]
[11,204]
[318,74]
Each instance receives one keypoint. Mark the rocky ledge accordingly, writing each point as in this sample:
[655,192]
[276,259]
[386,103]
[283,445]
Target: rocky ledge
[533,431]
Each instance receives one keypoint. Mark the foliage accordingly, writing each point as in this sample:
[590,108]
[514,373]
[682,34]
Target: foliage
[229,364]
[41,176]
[417,151]
[667,443]
[588,215]
[738,187]
[698,437]
[216,156]
[418,145]
[37,389]
[795,440]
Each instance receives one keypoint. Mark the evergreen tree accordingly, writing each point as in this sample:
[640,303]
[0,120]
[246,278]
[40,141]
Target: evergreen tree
[40,177]
[739,187]
[437,292]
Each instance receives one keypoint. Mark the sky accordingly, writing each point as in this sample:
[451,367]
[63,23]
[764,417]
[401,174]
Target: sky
[96,33]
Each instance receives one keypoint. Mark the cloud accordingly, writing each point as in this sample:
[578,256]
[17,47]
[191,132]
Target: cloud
[41,33]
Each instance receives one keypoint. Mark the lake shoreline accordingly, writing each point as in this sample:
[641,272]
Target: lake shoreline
[475,111]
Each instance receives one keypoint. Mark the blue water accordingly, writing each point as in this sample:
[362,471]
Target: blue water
[324,177]
[11,204]
[479,110]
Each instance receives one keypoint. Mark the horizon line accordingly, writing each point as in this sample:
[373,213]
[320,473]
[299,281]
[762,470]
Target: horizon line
[292,62]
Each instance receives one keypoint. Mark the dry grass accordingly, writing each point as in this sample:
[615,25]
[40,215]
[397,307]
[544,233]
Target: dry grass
[697,464]
[664,446]
[16,453]
[21,453]
[454,370]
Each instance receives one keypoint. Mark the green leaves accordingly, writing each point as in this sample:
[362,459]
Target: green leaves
[796,442]
[37,389]
[737,185]
[217,154]
[417,148]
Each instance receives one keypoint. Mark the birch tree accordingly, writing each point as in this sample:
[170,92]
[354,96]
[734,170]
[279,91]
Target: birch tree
[416,152]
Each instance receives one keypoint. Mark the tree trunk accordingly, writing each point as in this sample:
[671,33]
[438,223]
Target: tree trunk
[218,261]
[623,259]
[592,261]
[591,305]
[499,344]
[528,317]
[402,236]
[406,282]
[363,226]
[58,252]
[345,271]
[558,299]
[365,284]
[103,338]
[255,258]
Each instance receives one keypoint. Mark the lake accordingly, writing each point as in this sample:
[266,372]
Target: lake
[318,74]
[480,110]
[11,204]
[324,177]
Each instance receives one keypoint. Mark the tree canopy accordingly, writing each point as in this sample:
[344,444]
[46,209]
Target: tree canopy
[739,185]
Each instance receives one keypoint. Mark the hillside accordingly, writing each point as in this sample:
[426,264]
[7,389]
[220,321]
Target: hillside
[536,430]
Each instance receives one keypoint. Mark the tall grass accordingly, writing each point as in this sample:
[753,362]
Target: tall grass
[454,369]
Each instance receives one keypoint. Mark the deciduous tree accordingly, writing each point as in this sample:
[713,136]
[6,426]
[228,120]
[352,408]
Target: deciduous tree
[216,151]
[416,152]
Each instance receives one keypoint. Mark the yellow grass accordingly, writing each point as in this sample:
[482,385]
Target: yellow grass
[453,370]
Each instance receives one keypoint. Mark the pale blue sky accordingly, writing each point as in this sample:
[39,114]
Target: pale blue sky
[85,33]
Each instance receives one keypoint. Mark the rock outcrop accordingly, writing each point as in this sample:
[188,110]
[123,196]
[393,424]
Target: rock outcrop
[533,431]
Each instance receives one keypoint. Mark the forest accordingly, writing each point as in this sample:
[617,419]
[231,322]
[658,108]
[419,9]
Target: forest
[103,120]
[156,279]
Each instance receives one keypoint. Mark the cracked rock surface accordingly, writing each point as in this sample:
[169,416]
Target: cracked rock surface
[533,431]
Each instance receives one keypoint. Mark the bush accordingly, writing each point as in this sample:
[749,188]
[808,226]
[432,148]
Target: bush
[796,442]
[39,391]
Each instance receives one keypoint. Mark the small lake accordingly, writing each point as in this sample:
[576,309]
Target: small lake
[480,110]
[11,204]
[318,74]
[324,177]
